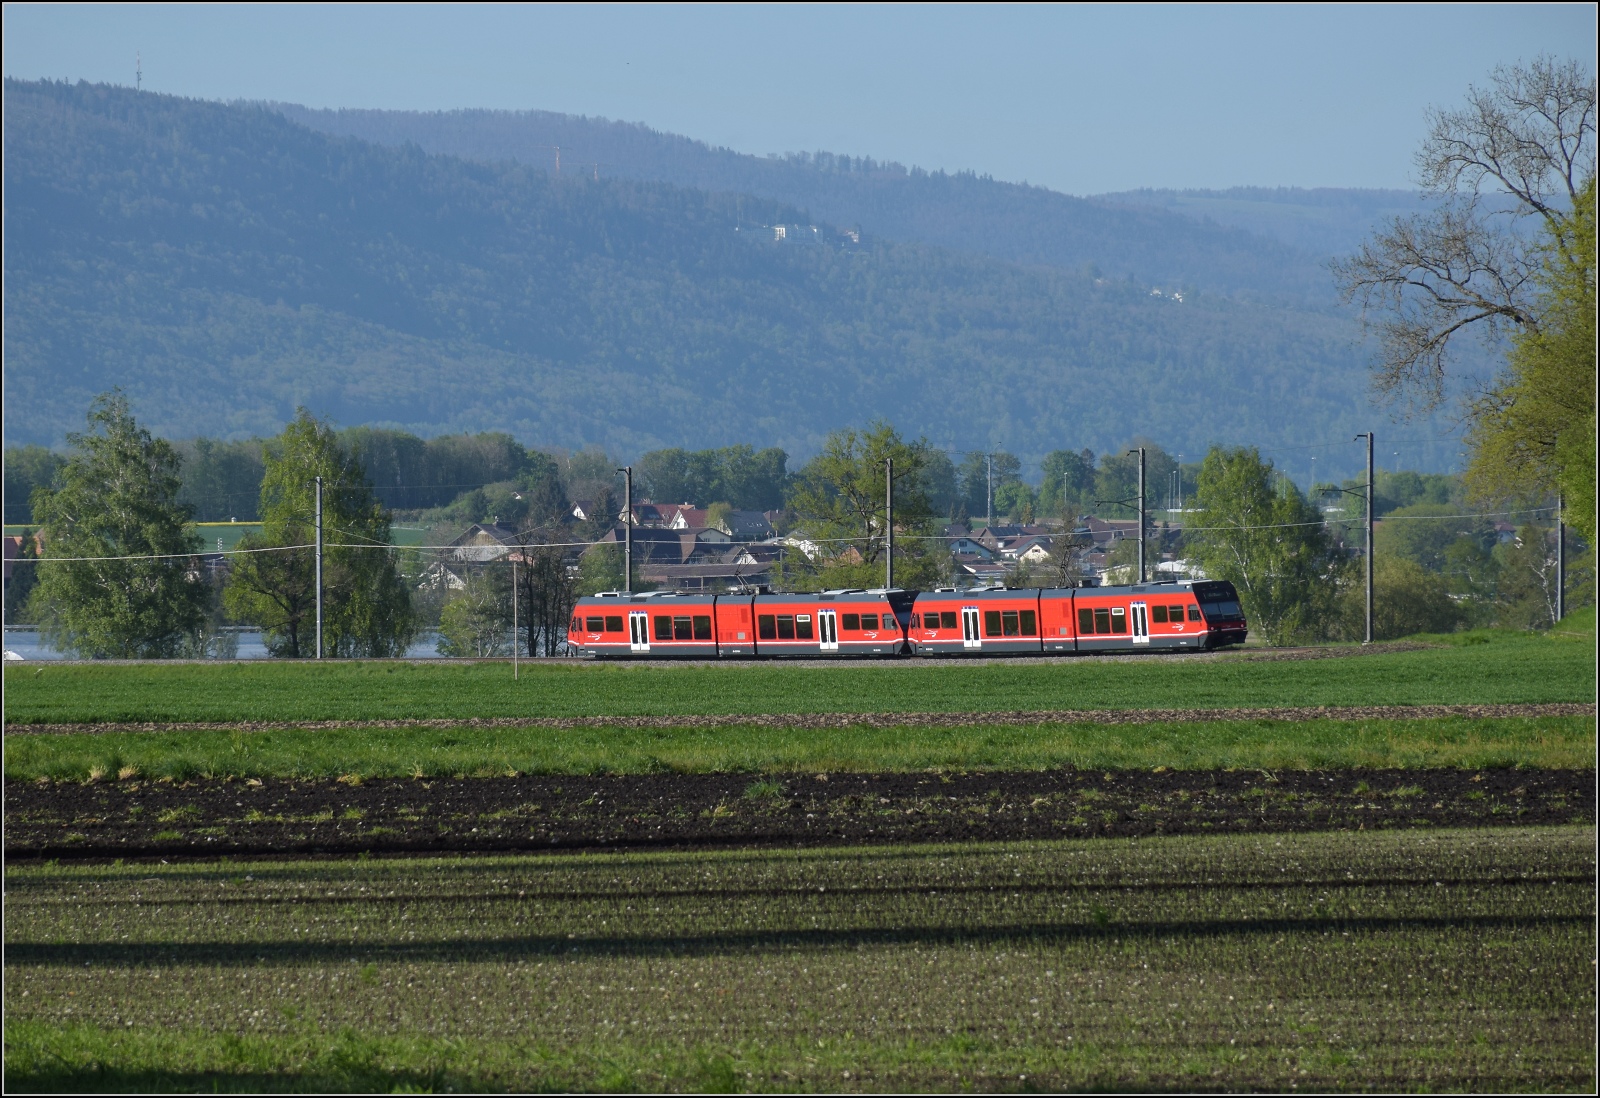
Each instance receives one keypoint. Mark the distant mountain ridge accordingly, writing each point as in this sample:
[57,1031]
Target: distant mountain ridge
[1119,236]
[224,264]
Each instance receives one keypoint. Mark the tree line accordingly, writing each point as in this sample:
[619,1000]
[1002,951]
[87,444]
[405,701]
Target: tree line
[135,583]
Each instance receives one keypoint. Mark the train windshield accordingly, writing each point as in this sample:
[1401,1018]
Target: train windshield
[1218,600]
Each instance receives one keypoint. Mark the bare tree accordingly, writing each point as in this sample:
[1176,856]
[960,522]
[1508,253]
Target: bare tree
[1065,566]
[1521,148]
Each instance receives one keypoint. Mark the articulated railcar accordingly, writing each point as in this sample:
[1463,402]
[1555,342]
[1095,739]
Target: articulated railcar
[742,624]
[889,622]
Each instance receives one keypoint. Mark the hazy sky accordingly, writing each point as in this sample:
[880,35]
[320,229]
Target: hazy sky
[1081,99]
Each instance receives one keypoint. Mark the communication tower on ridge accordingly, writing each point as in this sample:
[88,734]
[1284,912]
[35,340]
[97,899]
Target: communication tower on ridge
[138,72]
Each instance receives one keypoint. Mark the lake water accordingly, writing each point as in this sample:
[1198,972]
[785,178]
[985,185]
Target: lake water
[30,646]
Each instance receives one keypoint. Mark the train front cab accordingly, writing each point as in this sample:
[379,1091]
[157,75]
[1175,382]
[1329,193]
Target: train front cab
[833,623]
[979,621]
[1219,604]
[650,624]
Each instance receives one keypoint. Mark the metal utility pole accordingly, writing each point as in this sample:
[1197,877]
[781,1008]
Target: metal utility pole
[1368,437]
[888,523]
[1561,557]
[513,616]
[1140,452]
[988,510]
[627,527]
[319,568]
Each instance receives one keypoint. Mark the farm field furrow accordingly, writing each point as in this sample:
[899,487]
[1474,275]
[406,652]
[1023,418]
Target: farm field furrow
[145,819]
[1443,960]
[1517,669]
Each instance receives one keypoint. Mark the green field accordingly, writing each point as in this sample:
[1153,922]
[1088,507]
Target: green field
[1556,742]
[1439,961]
[1515,668]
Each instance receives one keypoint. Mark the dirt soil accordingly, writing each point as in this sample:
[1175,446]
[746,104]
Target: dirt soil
[867,720]
[141,819]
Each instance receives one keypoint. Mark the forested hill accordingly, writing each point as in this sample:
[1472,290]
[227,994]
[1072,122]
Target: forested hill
[224,264]
[1130,236]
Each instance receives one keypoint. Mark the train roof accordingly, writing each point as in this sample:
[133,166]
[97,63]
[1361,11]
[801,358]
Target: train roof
[898,594]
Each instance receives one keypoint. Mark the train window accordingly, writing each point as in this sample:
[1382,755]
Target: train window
[613,624]
[1085,620]
[1119,619]
[702,627]
[852,621]
[1158,614]
[947,619]
[682,629]
[572,626]
[916,621]
[1030,623]
[991,623]
[802,626]
[1102,621]
[1194,612]
[663,627]
[596,624]
[1175,612]
[869,621]
[786,627]
[766,626]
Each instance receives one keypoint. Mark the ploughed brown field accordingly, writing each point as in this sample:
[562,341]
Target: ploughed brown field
[199,818]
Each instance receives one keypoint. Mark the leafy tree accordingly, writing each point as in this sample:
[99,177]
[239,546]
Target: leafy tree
[600,569]
[589,472]
[24,577]
[476,621]
[1068,481]
[1526,575]
[839,501]
[221,480]
[1534,431]
[1015,500]
[116,497]
[1424,533]
[366,607]
[717,516]
[1406,599]
[26,469]
[1122,563]
[1255,529]
[748,479]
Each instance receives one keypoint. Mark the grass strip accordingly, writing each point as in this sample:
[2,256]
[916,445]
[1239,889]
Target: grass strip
[1518,668]
[1546,742]
[1452,960]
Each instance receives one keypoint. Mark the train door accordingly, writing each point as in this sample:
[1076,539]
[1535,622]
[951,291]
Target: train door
[1141,623]
[828,630]
[638,631]
[970,637]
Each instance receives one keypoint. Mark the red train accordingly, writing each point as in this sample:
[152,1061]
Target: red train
[891,622]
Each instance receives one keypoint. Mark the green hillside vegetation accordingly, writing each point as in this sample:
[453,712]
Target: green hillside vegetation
[226,265]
